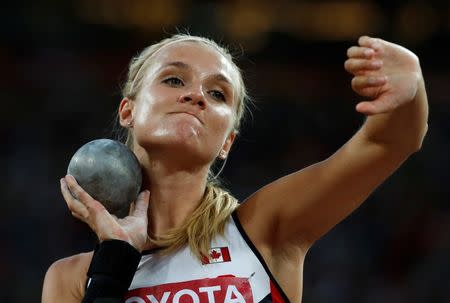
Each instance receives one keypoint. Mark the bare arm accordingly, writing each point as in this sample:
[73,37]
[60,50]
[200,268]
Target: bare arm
[65,280]
[298,209]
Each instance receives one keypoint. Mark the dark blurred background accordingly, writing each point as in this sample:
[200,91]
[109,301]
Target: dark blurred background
[61,67]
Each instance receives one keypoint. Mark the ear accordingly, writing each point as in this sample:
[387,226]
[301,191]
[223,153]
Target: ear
[227,145]
[126,112]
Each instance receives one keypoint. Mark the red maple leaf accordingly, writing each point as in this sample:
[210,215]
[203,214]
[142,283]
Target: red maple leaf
[215,255]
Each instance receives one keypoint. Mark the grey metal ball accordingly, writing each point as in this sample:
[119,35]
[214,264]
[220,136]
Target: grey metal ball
[110,172]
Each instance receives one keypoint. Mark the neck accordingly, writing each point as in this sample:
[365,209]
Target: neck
[175,191]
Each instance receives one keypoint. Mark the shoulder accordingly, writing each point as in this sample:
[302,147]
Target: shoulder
[65,279]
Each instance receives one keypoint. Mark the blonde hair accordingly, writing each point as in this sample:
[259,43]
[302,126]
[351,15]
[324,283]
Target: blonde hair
[209,218]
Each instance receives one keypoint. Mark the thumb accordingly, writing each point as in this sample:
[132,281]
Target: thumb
[141,205]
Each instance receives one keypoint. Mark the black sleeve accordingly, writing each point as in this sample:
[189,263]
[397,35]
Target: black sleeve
[111,272]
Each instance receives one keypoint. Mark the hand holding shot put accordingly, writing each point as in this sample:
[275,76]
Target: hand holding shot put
[131,229]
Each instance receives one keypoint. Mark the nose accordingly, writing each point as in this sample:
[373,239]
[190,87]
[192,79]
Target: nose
[196,98]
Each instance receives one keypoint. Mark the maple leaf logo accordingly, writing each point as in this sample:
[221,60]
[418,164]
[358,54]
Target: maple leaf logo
[215,255]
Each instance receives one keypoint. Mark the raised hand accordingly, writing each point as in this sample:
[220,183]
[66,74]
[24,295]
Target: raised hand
[385,72]
[132,229]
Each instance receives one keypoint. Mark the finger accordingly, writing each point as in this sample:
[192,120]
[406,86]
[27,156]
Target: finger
[140,209]
[378,106]
[370,42]
[73,205]
[365,108]
[78,216]
[77,191]
[368,86]
[355,66]
[359,82]
[132,207]
[93,207]
[82,196]
[360,52]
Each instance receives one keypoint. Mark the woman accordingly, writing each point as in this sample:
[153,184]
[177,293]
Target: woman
[183,102]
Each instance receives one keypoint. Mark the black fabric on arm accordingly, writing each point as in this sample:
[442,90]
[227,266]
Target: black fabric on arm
[103,289]
[111,271]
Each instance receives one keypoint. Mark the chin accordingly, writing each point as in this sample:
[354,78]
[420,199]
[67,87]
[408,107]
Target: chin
[182,134]
[182,138]
[183,129]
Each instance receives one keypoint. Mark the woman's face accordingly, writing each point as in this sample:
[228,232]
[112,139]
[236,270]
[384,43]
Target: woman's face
[187,103]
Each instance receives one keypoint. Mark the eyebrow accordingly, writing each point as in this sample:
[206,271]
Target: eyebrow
[182,65]
[222,78]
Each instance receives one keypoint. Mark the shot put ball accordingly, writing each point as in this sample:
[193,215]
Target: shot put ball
[110,172]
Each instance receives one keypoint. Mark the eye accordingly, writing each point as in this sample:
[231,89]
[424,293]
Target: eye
[217,94]
[173,81]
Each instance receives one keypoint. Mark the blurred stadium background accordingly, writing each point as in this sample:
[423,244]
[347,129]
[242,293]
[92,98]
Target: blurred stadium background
[62,63]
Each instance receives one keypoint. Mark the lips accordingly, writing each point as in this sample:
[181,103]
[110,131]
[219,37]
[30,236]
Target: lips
[188,113]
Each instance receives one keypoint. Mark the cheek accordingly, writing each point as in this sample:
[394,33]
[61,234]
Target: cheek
[142,112]
[146,118]
[224,120]
[146,107]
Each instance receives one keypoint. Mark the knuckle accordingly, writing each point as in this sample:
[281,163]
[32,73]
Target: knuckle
[371,65]
[367,92]
[86,215]
[72,189]
[81,195]
[96,208]
[73,194]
